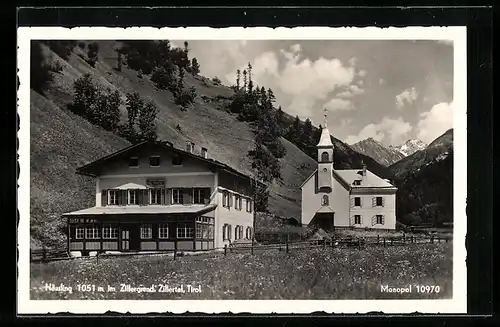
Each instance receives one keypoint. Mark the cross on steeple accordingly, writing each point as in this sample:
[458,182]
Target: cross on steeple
[325,122]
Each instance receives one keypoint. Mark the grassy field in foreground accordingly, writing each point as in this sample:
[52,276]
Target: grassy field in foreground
[337,273]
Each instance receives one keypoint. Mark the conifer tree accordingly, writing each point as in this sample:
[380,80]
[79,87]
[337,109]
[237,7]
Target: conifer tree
[146,120]
[306,137]
[195,66]
[295,131]
[134,104]
[238,76]
[119,62]
[250,82]
[244,80]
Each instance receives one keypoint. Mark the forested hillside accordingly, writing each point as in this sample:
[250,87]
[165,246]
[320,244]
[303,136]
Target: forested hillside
[90,99]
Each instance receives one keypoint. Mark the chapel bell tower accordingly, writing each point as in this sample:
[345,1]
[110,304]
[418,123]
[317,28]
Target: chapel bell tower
[325,159]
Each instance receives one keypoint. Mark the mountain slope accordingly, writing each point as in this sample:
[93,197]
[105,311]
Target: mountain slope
[425,196]
[444,140]
[62,141]
[425,183]
[442,144]
[382,154]
[410,147]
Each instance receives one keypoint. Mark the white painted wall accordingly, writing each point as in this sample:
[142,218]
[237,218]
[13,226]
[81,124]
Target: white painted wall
[367,211]
[338,199]
[171,181]
[230,216]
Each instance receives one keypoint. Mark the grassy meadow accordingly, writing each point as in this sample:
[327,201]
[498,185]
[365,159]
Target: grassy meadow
[331,273]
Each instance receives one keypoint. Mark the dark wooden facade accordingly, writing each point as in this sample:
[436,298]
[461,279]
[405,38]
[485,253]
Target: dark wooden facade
[186,232]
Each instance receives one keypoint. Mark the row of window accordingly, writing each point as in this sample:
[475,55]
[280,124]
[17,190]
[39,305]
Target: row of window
[238,232]
[377,201]
[154,161]
[376,220]
[94,232]
[183,230]
[177,196]
[227,201]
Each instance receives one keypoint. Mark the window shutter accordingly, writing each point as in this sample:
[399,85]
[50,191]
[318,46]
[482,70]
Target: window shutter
[374,220]
[187,196]
[352,202]
[168,196]
[229,230]
[383,220]
[361,201]
[374,202]
[145,196]
[361,219]
[122,197]
[162,196]
[104,198]
[383,201]
[230,195]
[206,196]
[352,220]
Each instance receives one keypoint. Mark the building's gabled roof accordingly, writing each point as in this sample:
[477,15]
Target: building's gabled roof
[144,210]
[91,168]
[348,176]
[372,180]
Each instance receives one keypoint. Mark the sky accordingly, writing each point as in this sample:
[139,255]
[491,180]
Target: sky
[391,90]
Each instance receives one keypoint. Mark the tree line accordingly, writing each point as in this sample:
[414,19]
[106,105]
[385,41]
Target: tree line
[101,106]
[167,66]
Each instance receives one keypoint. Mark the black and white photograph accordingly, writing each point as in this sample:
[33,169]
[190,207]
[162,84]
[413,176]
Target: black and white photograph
[316,165]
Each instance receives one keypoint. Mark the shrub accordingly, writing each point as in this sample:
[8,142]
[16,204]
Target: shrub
[216,80]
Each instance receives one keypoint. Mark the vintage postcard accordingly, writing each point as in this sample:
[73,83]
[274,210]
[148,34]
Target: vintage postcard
[251,170]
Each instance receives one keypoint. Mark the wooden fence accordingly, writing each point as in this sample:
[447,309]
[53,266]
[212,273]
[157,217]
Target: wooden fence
[46,255]
[358,242]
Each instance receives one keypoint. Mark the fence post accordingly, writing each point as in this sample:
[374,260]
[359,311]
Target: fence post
[324,243]
[404,238]
[384,242]
[287,244]
[175,250]
[392,241]
[225,249]
[252,246]
[378,238]
[97,257]
[359,244]
[332,242]
[44,254]
[432,239]
[412,239]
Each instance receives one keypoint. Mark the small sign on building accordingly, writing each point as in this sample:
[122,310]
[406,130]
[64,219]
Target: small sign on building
[157,183]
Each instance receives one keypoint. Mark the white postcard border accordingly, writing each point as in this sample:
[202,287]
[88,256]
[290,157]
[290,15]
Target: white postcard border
[455,305]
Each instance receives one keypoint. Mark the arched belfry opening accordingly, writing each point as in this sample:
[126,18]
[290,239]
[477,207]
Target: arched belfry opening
[325,157]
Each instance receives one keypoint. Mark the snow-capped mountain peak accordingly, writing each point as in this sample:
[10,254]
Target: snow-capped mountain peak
[411,146]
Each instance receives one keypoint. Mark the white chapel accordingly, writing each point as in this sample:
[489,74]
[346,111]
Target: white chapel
[345,198]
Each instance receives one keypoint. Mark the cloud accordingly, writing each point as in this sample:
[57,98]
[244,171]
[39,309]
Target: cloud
[362,72]
[360,82]
[408,96]
[351,91]
[353,61]
[381,81]
[435,122]
[307,82]
[296,48]
[336,104]
[388,130]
